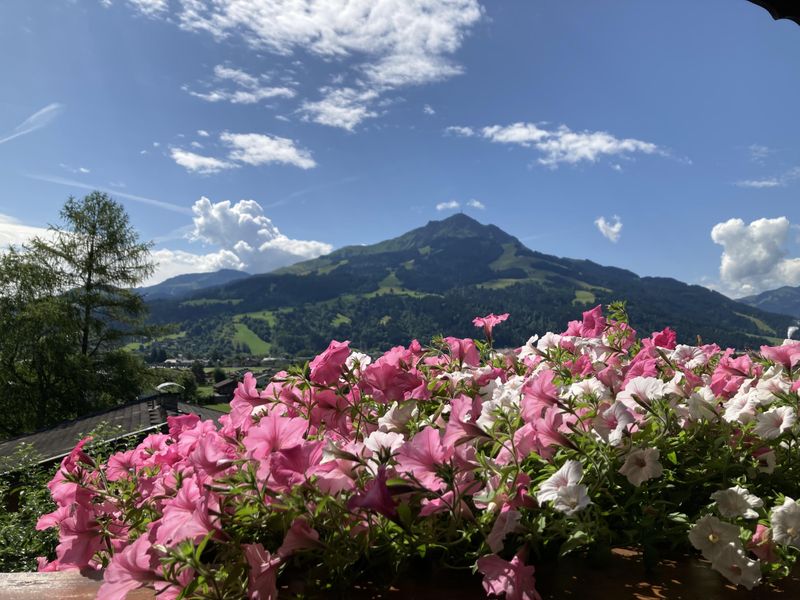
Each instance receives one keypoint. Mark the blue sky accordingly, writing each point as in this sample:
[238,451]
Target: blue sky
[350,122]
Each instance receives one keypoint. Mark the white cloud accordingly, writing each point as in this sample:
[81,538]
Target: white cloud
[428,110]
[37,120]
[523,134]
[341,107]
[476,204]
[245,238]
[247,89]
[759,183]
[12,231]
[460,131]
[259,149]
[610,230]
[197,163]
[202,133]
[150,8]
[450,205]
[755,255]
[561,145]
[245,148]
[391,43]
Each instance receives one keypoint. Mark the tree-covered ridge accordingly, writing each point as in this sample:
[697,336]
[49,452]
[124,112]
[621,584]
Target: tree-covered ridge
[430,280]
[784,300]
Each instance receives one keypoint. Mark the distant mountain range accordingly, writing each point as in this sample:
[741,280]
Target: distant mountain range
[785,300]
[183,285]
[434,280]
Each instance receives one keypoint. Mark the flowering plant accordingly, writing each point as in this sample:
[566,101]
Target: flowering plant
[352,470]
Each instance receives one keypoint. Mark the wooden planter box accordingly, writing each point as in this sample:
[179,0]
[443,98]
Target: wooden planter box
[622,578]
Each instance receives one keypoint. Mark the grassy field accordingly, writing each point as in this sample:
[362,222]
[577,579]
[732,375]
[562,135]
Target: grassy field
[224,407]
[245,335]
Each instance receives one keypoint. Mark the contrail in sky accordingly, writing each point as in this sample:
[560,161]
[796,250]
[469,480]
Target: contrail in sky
[88,186]
[36,121]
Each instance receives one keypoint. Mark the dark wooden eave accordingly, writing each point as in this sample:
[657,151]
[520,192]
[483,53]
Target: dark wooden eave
[781,9]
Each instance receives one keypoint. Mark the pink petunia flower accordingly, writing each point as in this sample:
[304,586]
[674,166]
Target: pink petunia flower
[513,578]
[489,322]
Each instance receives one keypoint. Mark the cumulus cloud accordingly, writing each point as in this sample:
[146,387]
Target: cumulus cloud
[755,256]
[449,205]
[341,107]
[561,145]
[246,88]
[41,118]
[197,163]
[258,149]
[476,204]
[428,110]
[202,133]
[245,149]
[244,237]
[610,229]
[390,43]
[460,131]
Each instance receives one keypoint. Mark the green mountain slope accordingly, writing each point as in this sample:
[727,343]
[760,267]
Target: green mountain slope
[784,300]
[183,285]
[433,280]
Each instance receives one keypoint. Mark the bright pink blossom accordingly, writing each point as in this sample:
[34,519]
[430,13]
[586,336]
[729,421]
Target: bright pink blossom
[788,355]
[263,574]
[488,322]
[463,351]
[327,367]
[135,566]
[423,456]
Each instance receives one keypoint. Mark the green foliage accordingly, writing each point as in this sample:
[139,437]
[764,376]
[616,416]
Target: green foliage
[24,497]
[65,312]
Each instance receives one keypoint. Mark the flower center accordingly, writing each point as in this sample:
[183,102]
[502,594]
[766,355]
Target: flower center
[713,537]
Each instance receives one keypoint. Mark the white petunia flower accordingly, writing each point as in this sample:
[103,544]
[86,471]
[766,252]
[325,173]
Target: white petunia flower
[570,473]
[548,340]
[741,408]
[529,349]
[701,404]
[571,499]
[505,398]
[710,535]
[736,566]
[357,361]
[772,423]
[397,416]
[378,441]
[612,424]
[785,521]
[737,502]
[689,356]
[641,465]
[641,390]
[589,387]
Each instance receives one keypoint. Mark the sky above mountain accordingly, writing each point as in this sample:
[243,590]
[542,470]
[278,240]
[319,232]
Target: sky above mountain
[248,134]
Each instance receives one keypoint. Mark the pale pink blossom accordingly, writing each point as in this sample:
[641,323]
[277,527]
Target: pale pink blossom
[736,566]
[736,501]
[642,464]
[774,422]
[512,578]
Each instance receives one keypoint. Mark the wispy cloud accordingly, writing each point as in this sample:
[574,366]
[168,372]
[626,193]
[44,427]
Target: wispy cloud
[37,120]
[771,182]
[244,88]
[610,230]
[92,187]
[476,204]
[560,145]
